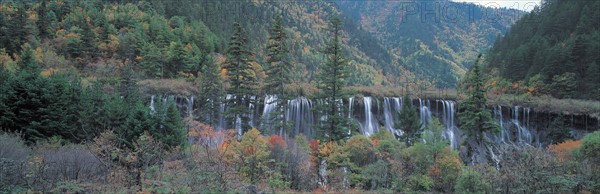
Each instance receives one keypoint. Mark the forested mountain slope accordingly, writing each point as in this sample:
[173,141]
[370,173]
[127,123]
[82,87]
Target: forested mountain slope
[555,48]
[437,40]
[161,39]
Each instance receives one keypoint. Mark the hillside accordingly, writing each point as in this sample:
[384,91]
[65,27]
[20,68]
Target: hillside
[437,40]
[555,49]
[159,39]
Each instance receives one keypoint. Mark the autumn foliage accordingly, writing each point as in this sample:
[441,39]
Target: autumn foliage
[564,151]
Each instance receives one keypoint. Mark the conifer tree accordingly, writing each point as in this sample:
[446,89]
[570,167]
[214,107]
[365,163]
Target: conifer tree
[136,123]
[212,91]
[278,73]
[475,117]
[242,78]
[332,78]
[409,123]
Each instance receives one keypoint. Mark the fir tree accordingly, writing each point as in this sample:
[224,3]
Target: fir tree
[278,73]
[332,78]
[172,133]
[212,91]
[475,118]
[242,78]
[409,123]
[136,123]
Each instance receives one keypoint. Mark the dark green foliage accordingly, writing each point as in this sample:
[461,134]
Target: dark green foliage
[242,77]
[13,28]
[135,124]
[278,71]
[409,123]
[475,117]
[168,127]
[212,91]
[559,40]
[332,79]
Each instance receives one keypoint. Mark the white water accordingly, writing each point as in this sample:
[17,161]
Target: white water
[449,122]
[391,112]
[368,126]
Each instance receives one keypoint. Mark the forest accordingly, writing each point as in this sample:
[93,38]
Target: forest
[251,96]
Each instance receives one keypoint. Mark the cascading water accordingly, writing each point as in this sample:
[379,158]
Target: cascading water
[269,106]
[152,110]
[391,112]
[299,113]
[368,126]
[350,103]
[515,130]
[449,122]
[222,110]
[190,106]
[251,106]
[424,112]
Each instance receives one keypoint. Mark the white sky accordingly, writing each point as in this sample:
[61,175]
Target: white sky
[526,5]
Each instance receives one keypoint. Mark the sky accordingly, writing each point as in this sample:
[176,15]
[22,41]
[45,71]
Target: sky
[525,5]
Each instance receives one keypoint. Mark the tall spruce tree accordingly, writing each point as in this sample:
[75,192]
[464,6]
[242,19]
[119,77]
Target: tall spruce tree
[475,117]
[335,125]
[242,78]
[278,73]
[212,91]
[409,123]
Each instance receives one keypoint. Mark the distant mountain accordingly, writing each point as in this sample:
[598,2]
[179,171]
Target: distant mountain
[437,40]
[555,48]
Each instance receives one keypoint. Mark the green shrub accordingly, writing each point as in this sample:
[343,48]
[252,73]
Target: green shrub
[420,182]
[590,148]
[470,181]
[68,187]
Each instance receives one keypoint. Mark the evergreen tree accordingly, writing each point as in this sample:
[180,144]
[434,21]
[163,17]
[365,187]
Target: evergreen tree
[168,127]
[27,62]
[136,123]
[212,91]
[335,126]
[278,73]
[242,78]
[475,118]
[409,123]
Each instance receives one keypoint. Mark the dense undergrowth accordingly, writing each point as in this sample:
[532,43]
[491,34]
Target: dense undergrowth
[219,162]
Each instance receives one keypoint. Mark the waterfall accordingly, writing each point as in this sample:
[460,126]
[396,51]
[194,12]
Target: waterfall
[190,106]
[251,106]
[449,122]
[367,126]
[270,103]
[222,108]
[391,113]
[387,115]
[350,103]
[516,129]
[152,110]
[424,112]
[299,114]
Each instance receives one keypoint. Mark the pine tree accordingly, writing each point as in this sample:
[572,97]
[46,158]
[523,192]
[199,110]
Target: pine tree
[475,118]
[27,62]
[136,123]
[409,123]
[242,78]
[332,78]
[278,73]
[172,133]
[212,91]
